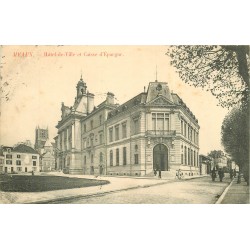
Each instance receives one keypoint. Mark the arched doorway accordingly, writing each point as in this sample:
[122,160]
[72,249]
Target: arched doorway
[160,157]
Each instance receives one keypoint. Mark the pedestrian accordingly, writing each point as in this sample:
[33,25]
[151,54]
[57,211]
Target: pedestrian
[221,174]
[159,169]
[231,174]
[234,173]
[155,171]
[213,174]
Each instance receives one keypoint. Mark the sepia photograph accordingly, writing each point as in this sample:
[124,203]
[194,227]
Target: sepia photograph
[124,125]
[135,124]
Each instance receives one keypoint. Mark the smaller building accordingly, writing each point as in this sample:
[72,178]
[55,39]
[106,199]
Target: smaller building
[19,159]
[1,160]
[206,164]
[47,157]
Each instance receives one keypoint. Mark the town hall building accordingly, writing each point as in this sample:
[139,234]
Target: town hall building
[153,130]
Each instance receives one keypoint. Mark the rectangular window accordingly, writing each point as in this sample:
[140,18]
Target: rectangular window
[100,138]
[68,161]
[136,126]
[18,156]
[181,127]
[166,123]
[8,156]
[84,128]
[19,169]
[111,158]
[111,135]
[34,163]
[136,159]
[9,162]
[160,121]
[117,132]
[185,155]
[18,162]
[117,157]
[100,119]
[124,156]
[124,130]
[153,121]
[85,159]
[92,124]
[34,157]
[185,129]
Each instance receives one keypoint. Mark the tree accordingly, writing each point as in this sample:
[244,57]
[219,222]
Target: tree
[223,70]
[235,137]
[216,154]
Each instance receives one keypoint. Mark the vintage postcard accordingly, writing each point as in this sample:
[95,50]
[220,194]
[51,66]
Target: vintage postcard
[124,124]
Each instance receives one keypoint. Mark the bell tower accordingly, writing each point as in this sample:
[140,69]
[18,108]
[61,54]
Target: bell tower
[81,88]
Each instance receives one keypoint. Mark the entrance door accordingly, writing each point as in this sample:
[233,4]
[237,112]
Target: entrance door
[160,157]
[12,169]
[26,170]
[6,169]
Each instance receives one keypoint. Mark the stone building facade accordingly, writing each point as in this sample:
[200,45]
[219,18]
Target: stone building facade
[154,129]
[81,133]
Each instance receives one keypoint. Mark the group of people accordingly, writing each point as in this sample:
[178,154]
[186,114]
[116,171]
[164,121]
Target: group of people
[221,174]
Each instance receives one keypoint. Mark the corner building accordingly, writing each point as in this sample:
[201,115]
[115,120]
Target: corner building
[154,129]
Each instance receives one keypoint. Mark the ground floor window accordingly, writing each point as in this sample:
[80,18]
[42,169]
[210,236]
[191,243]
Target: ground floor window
[136,159]
[19,169]
[111,157]
[124,156]
[117,157]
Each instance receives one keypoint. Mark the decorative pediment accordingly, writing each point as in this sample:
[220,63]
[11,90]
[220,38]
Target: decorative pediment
[160,100]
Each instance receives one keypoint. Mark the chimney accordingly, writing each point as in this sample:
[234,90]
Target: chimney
[90,102]
[110,98]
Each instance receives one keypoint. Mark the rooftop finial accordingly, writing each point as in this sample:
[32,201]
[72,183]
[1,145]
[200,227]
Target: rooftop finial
[156,73]
[81,74]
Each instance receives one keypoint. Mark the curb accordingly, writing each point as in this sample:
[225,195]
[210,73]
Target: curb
[224,193]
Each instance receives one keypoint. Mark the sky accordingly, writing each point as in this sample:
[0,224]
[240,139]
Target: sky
[37,79]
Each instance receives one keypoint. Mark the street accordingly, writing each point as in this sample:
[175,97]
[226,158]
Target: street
[193,191]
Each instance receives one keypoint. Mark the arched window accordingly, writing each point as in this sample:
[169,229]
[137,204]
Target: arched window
[111,157]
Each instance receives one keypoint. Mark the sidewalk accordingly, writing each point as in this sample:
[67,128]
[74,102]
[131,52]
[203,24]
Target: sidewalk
[235,193]
[116,184]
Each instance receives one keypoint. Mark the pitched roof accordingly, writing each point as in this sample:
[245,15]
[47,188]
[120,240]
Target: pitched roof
[48,144]
[21,148]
